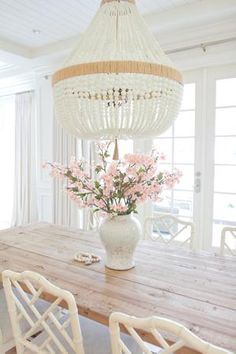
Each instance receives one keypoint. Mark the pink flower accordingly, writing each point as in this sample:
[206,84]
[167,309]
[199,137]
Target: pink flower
[113,168]
[119,186]
[119,208]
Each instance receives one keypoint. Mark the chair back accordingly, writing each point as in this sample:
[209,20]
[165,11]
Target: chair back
[228,241]
[158,327]
[169,229]
[23,291]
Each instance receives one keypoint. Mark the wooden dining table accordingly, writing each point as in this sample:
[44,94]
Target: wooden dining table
[197,289]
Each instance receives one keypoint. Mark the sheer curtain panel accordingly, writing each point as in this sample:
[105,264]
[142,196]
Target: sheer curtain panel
[25,197]
[7,159]
[65,212]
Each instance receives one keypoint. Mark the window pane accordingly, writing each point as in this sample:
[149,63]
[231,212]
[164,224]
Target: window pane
[184,124]
[225,179]
[188,97]
[7,159]
[164,166]
[180,153]
[164,146]
[183,202]
[165,205]
[225,150]
[187,179]
[225,92]
[226,121]
[184,150]
[225,207]
[168,133]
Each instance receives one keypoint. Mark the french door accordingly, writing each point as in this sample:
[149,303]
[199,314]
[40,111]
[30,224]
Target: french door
[224,151]
[202,144]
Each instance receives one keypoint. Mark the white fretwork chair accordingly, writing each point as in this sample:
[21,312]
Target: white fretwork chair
[6,336]
[55,336]
[169,229]
[228,241]
[158,327]
[7,340]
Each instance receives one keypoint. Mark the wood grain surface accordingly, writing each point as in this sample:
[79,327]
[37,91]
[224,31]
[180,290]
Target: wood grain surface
[195,289]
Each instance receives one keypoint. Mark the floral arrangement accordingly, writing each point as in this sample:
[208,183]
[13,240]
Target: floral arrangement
[118,186]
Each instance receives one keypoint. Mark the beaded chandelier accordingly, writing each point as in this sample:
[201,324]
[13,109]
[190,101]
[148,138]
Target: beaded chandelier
[117,83]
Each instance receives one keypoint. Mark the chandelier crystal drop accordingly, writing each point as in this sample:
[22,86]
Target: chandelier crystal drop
[118,82]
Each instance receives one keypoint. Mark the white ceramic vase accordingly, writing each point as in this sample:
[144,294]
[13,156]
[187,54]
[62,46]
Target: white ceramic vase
[119,236]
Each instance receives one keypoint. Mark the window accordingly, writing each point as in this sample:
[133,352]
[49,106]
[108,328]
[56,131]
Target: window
[7,159]
[178,146]
[225,158]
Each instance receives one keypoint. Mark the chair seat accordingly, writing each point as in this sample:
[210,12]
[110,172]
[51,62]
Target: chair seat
[96,338]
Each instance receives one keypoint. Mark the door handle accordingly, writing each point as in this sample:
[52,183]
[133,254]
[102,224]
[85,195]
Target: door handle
[197,185]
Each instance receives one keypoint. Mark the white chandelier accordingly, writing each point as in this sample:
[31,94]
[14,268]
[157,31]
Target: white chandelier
[117,83]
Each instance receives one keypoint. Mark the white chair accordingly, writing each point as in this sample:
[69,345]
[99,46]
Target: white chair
[7,340]
[158,327]
[228,237]
[169,229]
[54,336]
[6,336]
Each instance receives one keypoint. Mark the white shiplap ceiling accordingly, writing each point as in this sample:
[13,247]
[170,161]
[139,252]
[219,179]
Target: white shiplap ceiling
[177,24]
[59,19]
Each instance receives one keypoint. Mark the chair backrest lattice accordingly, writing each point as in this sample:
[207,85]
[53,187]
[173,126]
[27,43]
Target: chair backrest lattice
[157,326]
[228,241]
[59,336]
[169,229]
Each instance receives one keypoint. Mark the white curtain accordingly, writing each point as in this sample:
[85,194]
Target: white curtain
[7,159]
[25,198]
[65,146]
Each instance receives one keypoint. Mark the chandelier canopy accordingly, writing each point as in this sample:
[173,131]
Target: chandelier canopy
[117,82]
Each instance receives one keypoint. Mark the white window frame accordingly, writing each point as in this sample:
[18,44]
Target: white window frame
[205,81]
[213,74]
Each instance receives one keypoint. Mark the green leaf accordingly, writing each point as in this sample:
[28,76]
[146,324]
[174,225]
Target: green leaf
[95,210]
[98,169]
[97,184]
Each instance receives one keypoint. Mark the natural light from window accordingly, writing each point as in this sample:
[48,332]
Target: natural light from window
[225,158]
[177,144]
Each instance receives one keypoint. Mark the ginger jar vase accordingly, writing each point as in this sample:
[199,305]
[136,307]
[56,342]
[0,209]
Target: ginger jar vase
[119,236]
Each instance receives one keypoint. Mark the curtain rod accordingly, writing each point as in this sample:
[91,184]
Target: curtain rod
[202,46]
